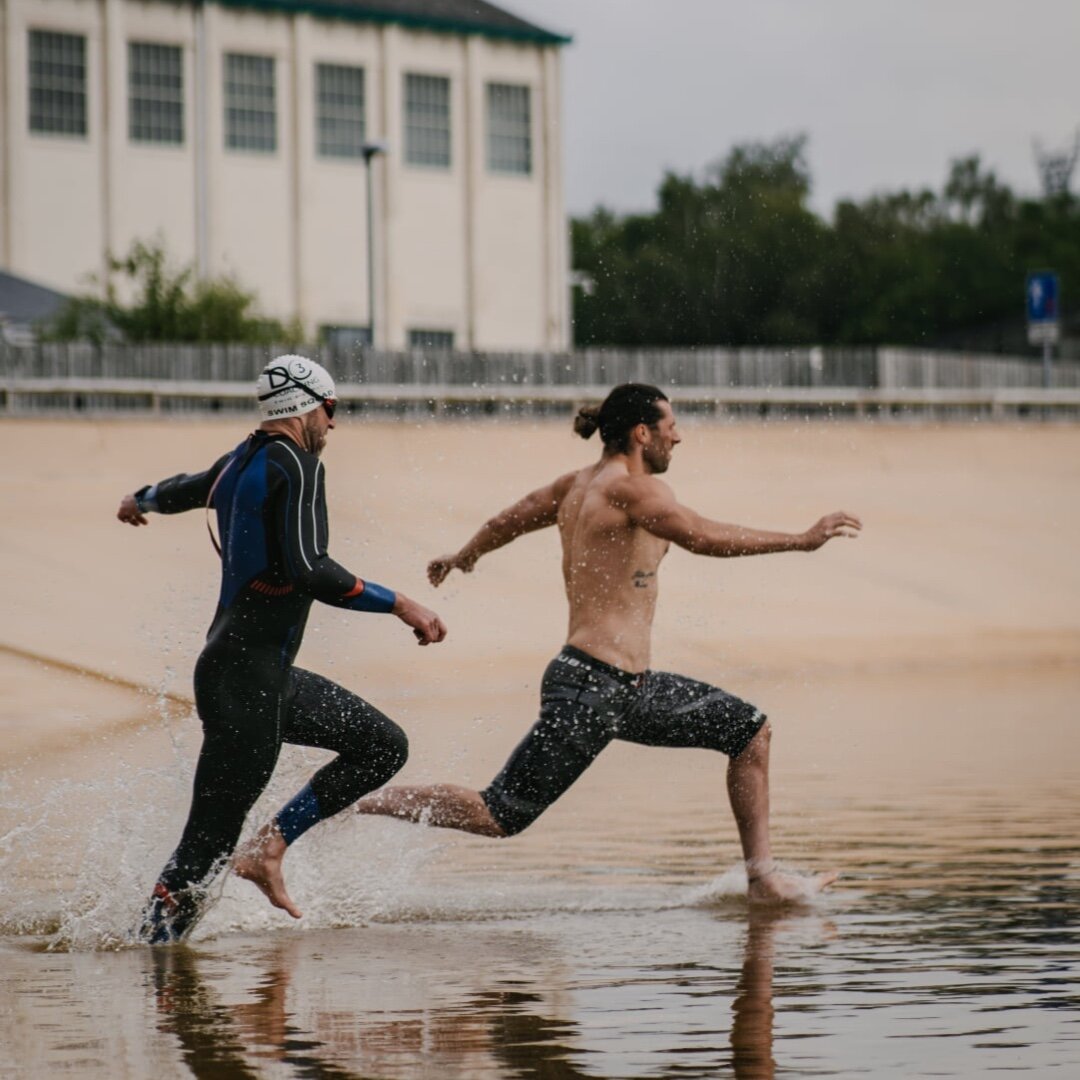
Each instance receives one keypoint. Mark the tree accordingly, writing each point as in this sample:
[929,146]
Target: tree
[726,260]
[740,259]
[168,305]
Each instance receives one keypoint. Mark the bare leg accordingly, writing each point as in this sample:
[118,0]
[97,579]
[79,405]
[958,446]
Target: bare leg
[446,806]
[260,863]
[748,790]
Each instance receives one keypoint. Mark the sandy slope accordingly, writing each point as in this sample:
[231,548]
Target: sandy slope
[968,558]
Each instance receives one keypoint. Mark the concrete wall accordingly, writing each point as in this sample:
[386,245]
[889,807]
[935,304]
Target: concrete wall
[461,249]
[151,186]
[56,200]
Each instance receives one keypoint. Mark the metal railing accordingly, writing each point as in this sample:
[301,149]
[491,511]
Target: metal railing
[181,378]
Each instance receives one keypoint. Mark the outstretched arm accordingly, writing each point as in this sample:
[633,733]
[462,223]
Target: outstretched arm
[130,512]
[651,504]
[172,496]
[300,508]
[537,510]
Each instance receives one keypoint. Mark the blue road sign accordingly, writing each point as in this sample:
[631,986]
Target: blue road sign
[1042,297]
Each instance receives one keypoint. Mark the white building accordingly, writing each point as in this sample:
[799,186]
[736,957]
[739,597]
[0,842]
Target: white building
[234,131]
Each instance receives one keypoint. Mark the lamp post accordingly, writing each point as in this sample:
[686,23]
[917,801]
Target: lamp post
[370,150]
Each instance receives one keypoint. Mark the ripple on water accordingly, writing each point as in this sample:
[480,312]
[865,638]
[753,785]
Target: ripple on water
[599,945]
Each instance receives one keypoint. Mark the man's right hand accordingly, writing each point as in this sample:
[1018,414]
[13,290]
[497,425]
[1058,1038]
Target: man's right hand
[438,569]
[129,512]
[426,625]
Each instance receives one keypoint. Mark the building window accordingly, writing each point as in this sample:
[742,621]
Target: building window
[250,103]
[155,93]
[509,131]
[432,340]
[57,83]
[427,121]
[339,105]
[345,337]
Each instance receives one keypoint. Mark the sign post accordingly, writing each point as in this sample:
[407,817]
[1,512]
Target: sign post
[1043,318]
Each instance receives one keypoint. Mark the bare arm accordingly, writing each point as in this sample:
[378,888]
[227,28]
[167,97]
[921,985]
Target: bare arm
[651,504]
[426,626]
[537,510]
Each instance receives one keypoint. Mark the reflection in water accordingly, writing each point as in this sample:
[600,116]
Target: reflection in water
[525,1042]
[752,1010]
[979,968]
[187,1009]
[219,1042]
[956,949]
[497,1031]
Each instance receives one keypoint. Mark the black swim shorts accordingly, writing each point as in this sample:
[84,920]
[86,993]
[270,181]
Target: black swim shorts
[584,704]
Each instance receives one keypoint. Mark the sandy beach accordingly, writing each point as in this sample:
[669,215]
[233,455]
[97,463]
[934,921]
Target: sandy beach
[967,556]
[965,572]
[921,680]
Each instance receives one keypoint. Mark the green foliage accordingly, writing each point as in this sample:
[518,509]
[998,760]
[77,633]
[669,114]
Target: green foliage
[168,305]
[741,259]
[82,318]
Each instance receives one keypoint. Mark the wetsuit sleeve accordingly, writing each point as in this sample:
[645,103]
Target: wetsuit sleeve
[179,493]
[301,521]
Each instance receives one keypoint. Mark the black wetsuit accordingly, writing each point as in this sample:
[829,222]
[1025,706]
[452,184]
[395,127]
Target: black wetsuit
[269,500]
[584,704]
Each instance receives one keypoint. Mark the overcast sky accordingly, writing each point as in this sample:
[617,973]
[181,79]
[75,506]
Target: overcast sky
[889,91]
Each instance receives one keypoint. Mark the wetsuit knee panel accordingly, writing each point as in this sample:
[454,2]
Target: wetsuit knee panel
[390,755]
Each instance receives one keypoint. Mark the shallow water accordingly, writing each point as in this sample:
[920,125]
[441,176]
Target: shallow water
[613,939]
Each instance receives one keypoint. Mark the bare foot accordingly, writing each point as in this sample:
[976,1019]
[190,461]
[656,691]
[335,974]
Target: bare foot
[778,888]
[260,863]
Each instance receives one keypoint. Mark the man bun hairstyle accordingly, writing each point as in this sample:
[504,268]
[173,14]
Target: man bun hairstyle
[623,409]
[587,421]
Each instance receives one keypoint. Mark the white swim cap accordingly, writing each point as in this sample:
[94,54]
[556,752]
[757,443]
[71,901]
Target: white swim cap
[291,386]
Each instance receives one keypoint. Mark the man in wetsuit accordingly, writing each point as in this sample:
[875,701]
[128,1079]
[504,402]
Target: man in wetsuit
[269,500]
[617,520]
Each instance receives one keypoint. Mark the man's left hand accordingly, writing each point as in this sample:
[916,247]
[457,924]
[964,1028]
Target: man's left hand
[426,625]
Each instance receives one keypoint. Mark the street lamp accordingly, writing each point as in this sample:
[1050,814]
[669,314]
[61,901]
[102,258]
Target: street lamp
[370,150]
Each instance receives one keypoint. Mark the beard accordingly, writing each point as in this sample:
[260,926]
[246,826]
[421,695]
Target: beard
[313,437]
[656,460]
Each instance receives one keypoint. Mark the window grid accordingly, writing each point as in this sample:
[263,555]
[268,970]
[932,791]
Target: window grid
[250,103]
[433,340]
[57,83]
[344,337]
[155,93]
[339,118]
[427,121]
[509,129]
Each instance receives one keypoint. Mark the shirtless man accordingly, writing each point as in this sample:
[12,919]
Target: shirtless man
[617,519]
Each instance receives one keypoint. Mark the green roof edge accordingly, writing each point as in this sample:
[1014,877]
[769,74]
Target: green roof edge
[536,36]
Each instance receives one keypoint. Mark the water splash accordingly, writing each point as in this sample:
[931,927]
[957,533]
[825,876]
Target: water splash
[725,888]
[732,887]
[75,865]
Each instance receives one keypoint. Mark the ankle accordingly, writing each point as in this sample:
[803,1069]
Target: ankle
[756,869]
